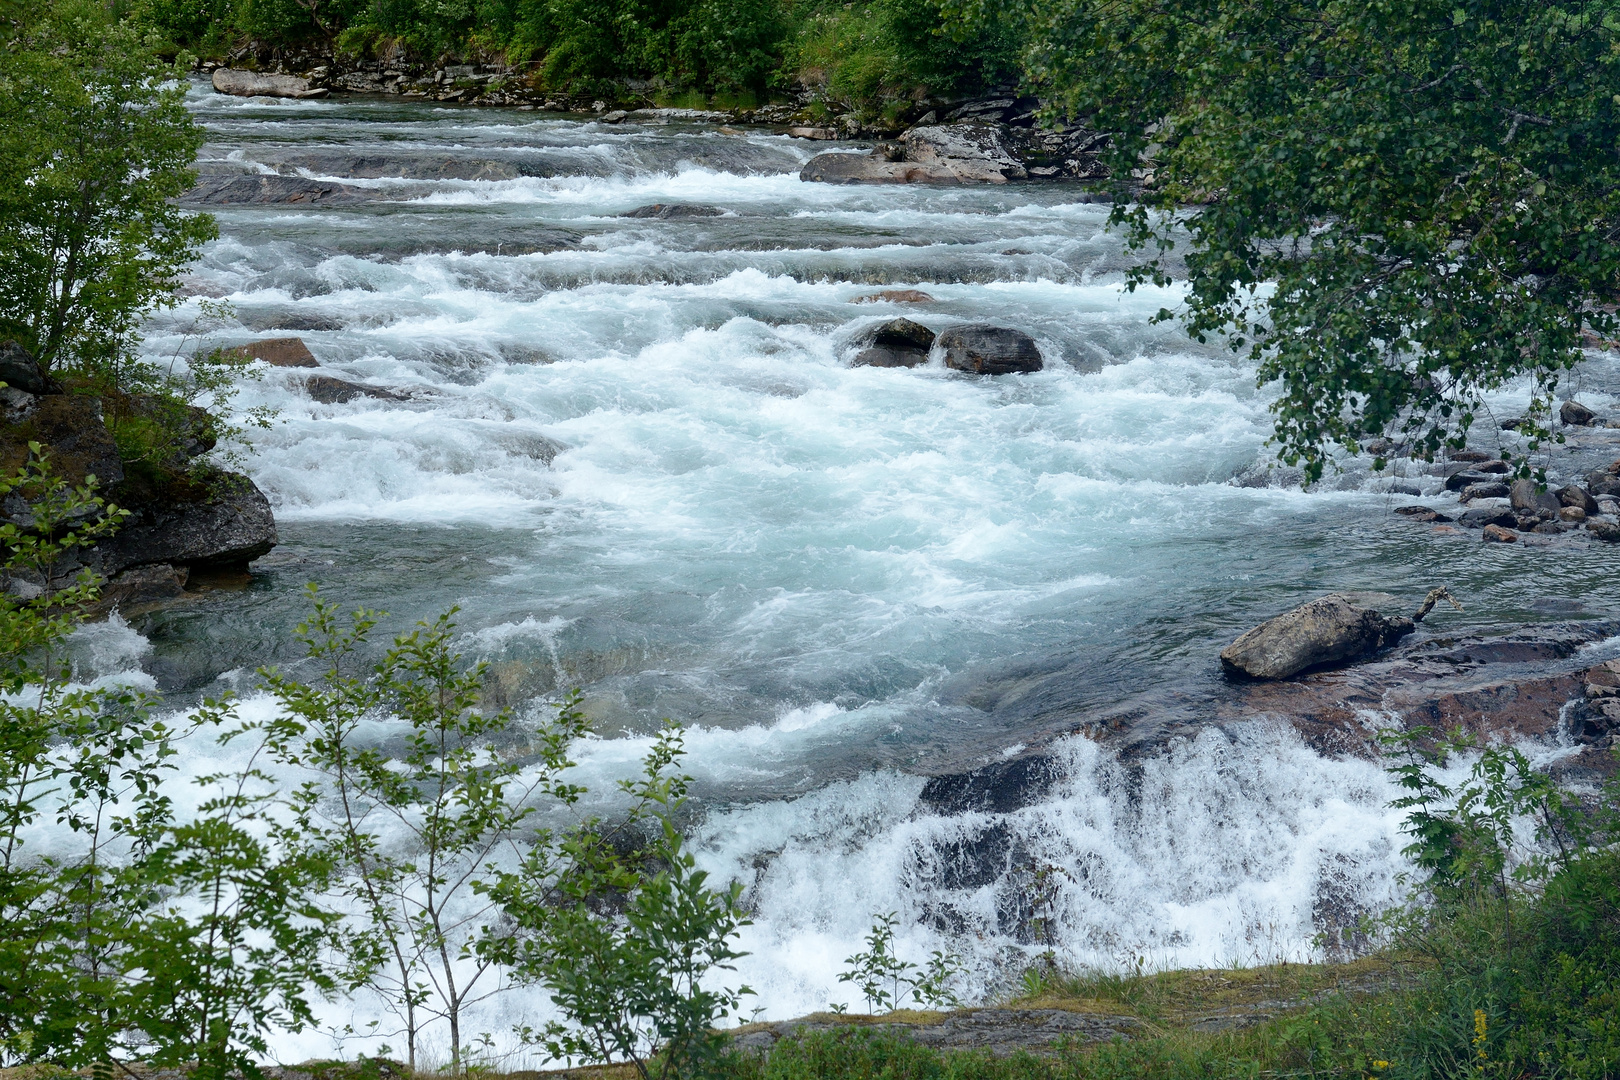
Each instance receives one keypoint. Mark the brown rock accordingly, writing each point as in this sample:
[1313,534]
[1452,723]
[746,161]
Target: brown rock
[896,296]
[74,435]
[330,391]
[1572,513]
[1500,535]
[1576,414]
[277,352]
[1571,495]
[1607,531]
[1523,495]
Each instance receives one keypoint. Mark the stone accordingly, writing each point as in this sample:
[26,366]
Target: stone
[1493,515]
[231,527]
[142,588]
[1603,482]
[1607,531]
[1495,465]
[1327,632]
[1470,456]
[1571,495]
[818,134]
[73,431]
[273,190]
[936,154]
[615,117]
[1575,414]
[277,352]
[1572,513]
[1550,528]
[1421,513]
[1488,490]
[665,211]
[241,83]
[19,370]
[989,350]
[1524,496]
[895,296]
[330,391]
[1500,535]
[896,343]
[1466,477]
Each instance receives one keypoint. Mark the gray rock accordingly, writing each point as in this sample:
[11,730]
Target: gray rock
[1421,513]
[252,84]
[272,190]
[1466,477]
[1326,632]
[1607,531]
[330,391]
[1494,515]
[1524,496]
[232,528]
[1603,482]
[1576,414]
[896,343]
[942,154]
[665,211]
[989,350]
[19,370]
[1494,489]
[1571,495]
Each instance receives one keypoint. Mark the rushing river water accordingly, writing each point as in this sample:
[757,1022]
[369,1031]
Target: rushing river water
[633,451]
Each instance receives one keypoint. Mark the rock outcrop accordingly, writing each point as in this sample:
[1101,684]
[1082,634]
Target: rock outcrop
[1327,632]
[990,350]
[241,83]
[232,526]
[666,211]
[897,343]
[272,190]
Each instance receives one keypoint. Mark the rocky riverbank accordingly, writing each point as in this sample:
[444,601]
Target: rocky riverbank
[190,525]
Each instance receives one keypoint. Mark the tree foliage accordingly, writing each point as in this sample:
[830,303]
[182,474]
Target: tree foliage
[1402,204]
[95,144]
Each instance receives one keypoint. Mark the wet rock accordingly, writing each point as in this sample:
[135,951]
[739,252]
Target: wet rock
[143,588]
[1500,535]
[1327,632]
[665,211]
[272,190]
[1601,482]
[1550,528]
[1494,489]
[1492,515]
[252,84]
[330,391]
[1575,414]
[1572,514]
[897,343]
[1421,513]
[1523,495]
[1571,495]
[1469,456]
[1457,481]
[231,527]
[818,134]
[989,350]
[277,352]
[1607,531]
[895,296]
[19,371]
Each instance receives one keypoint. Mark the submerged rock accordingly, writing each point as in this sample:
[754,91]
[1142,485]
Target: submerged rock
[330,391]
[1325,632]
[665,211]
[241,83]
[990,350]
[271,190]
[896,296]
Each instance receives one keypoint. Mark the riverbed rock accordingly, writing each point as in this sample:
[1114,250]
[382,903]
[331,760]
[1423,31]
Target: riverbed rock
[331,391]
[1421,513]
[1604,482]
[1572,495]
[273,190]
[895,296]
[896,343]
[19,370]
[277,352]
[231,526]
[1493,489]
[990,350]
[242,83]
[1575,414]
[940,154]
[1607,531]
[1573,514]
[1326,632]
[1524,495]
[1488,515]
[1500,534]
[667,211]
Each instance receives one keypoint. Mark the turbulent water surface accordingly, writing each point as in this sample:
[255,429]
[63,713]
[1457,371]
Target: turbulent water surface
[633,451]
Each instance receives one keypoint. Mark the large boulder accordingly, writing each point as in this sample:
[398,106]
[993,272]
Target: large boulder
[896,343]
[252,84]
[989,350]
[232,527]
[273,190]
[1575,414]
[1327,632]
[74,435]
[1525,496]
[936,154]
[668,211]
[1604,481]
[277,352]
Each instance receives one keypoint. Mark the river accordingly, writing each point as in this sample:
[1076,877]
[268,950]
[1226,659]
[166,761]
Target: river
[632,450]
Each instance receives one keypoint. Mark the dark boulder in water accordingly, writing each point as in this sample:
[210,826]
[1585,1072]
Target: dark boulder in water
[1576,415]
[272,190]
[1325,632]
[666,211]
[897,343]
[330,391]
[231,527]
[990,350]
[1524,496]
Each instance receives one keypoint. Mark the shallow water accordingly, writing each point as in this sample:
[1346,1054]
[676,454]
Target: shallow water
[635,455]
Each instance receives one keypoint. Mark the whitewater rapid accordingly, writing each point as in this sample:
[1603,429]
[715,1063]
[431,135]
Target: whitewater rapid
[632,450]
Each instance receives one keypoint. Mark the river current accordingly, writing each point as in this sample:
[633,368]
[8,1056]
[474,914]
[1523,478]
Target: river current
[633,451]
